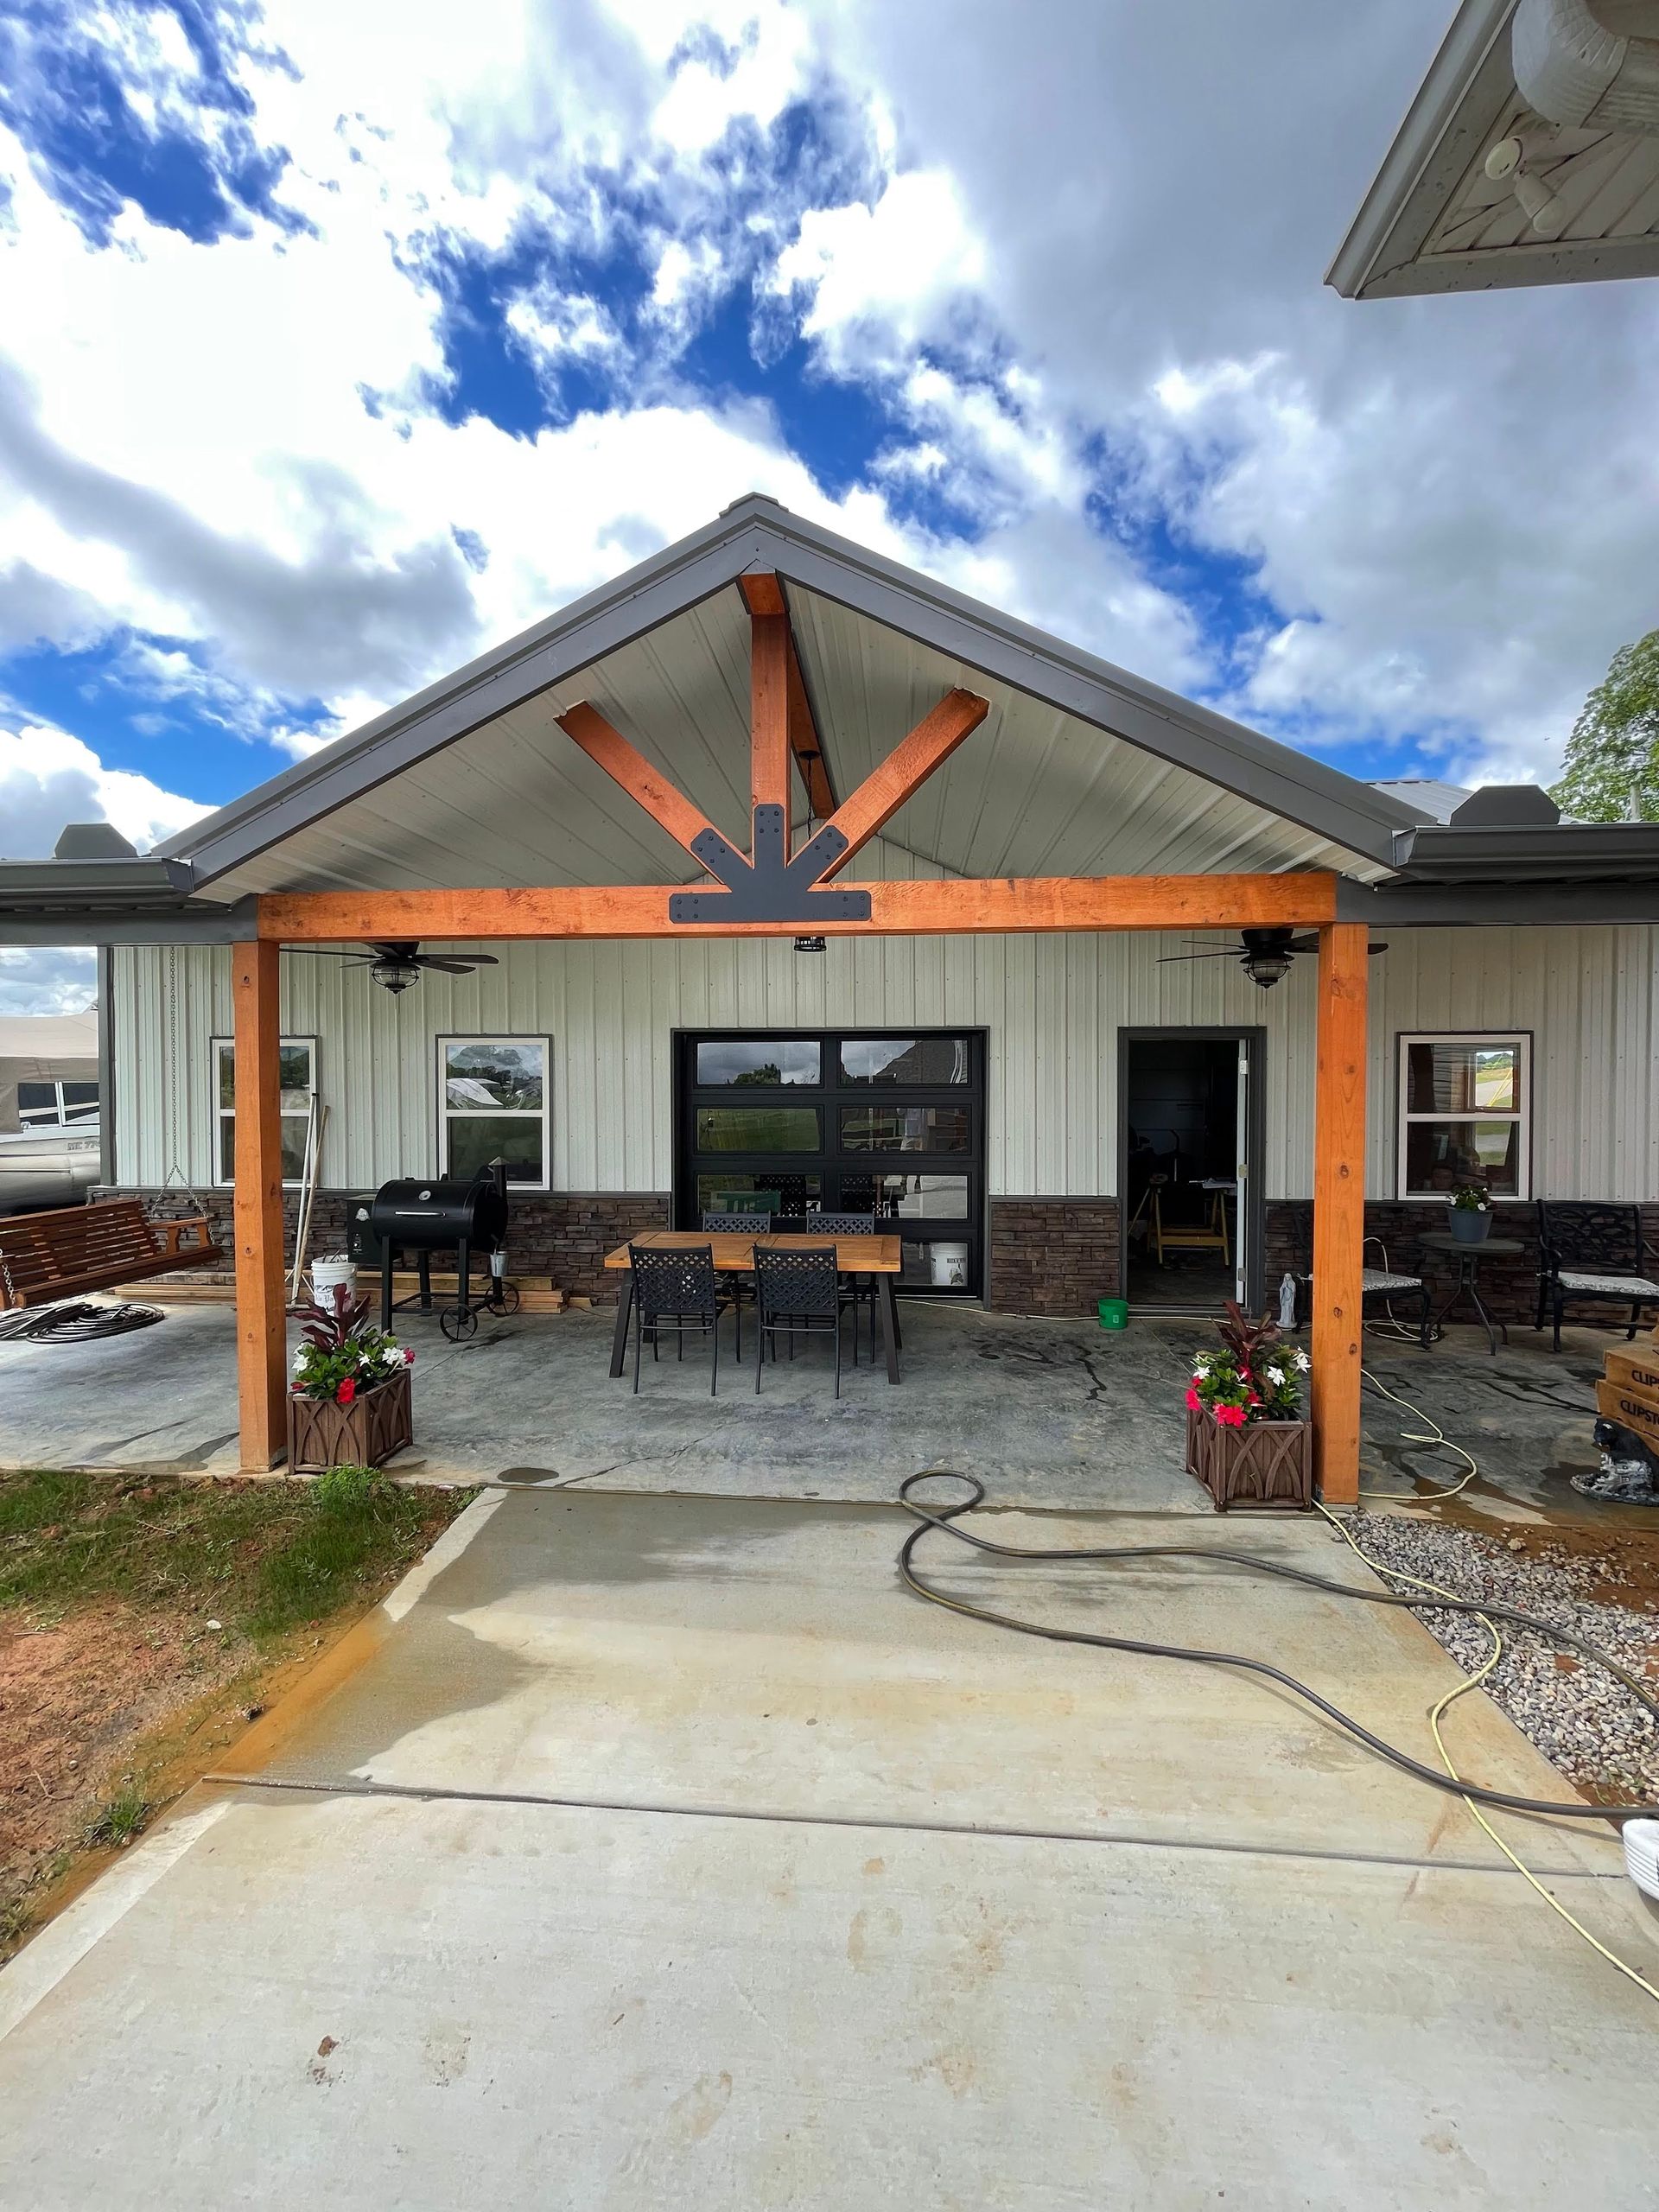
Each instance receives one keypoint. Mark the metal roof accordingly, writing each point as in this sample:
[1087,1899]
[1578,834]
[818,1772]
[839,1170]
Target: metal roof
[471,772]
[1433,221]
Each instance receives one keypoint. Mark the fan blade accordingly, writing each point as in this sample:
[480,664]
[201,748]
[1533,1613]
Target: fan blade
[406,950]
[1374,949]
[1216,952]
[453,967]
[329,951]
[1311,943]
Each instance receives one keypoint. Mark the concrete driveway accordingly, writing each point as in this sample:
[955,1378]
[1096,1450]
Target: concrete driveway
[663,1851]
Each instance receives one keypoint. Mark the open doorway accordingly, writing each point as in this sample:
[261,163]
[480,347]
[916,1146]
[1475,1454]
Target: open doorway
[1190,1130]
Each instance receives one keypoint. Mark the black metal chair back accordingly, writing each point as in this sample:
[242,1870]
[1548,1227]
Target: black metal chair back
[1592,1251]
[738,1224]
[675,1290]
[797,1293]
[846,1224]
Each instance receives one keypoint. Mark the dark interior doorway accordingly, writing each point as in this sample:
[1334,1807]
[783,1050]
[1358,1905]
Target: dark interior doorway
[1190,1129]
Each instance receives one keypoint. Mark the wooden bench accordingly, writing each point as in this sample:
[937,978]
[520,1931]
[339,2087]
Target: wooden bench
[45,1256]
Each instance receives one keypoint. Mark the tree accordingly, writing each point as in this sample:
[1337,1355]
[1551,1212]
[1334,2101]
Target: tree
[1611,771]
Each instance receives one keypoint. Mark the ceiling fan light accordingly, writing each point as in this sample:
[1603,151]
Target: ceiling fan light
[1266,965]
[394,975]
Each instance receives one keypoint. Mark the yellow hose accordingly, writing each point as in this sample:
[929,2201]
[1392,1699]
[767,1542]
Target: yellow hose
[1461,1689]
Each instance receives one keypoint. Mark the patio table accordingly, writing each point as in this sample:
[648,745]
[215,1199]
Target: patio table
[1468,1257]
[880,1257]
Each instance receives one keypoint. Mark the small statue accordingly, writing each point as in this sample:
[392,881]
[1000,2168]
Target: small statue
[1287,1301]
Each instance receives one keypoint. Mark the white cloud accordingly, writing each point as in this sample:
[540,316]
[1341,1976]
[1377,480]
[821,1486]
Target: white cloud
[882,278]
[49,779]
[54,979]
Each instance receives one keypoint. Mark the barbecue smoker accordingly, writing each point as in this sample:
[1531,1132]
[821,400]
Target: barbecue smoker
[467,1218]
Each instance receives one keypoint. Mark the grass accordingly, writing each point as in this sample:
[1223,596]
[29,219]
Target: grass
[237,1581]
[259,1557]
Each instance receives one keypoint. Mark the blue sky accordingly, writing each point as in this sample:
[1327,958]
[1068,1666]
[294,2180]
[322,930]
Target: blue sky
[338,344]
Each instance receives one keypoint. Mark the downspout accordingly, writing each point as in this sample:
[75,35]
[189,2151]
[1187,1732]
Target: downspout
[106,1065]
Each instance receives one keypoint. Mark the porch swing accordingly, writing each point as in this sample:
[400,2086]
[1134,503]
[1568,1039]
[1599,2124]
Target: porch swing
[47,1257]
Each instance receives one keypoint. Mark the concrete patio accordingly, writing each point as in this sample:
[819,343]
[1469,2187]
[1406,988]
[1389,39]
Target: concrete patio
[663,1851]
[1054,1414]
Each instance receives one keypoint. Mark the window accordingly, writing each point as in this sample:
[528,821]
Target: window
[1466,1107]
[759,1061]
[297,1077]
[55,1104]
[929,1061]
[905,1128]
[492,1104]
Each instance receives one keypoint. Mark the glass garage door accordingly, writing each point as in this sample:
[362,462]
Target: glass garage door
[800,1122]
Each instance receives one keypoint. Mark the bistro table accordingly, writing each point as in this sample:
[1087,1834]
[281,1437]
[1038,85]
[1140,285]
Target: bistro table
[1468,1257]
[880,1257]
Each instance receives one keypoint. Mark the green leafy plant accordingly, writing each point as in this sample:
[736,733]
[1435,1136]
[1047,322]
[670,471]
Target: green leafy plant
[343,1353]
[1611,769]
[121,1819]
[1471,1197]
[349,1489]
[1255,1376]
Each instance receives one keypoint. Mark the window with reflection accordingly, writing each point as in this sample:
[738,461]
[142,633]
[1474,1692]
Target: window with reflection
[922,1061]
[1465,1107]
[905,1128]
[760,1062]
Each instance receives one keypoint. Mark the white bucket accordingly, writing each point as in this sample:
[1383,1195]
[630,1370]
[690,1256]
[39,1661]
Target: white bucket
[1641,1840]
[950,1266]
[328,1274]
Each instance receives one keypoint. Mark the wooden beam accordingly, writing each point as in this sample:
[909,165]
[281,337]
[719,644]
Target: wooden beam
[628,768]
[911,762]
[764,594]
[256,1207]
[956,906]
[1338,1207]
[769,754]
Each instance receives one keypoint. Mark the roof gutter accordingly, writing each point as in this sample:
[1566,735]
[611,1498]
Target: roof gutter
[113,901]
[1563,852]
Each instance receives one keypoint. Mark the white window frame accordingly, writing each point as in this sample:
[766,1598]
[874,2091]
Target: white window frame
[221,1113]
[1521,1114]
[58,1115]
[446,1113]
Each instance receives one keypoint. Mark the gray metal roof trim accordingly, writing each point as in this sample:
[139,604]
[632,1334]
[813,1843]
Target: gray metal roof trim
[1568,852]
[1467,83]
[756,532]
[114,881]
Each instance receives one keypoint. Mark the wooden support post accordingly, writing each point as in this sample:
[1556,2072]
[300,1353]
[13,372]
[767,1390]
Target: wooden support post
[769,715]
[1338,1207]
[261,1328]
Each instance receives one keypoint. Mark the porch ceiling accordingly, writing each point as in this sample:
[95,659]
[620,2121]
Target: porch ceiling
[1033,792]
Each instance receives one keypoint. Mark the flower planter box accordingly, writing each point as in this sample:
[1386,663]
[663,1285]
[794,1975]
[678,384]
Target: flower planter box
[323,1433]
[1267,1465]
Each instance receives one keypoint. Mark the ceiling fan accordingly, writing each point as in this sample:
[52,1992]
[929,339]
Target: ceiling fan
[1264,954]
[396,966]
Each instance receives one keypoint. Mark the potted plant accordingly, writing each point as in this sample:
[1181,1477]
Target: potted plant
[349,1404]
[1248,1437]
[1471,1213]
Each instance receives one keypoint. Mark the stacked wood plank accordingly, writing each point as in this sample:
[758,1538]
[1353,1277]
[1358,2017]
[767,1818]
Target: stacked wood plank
[1629,1390]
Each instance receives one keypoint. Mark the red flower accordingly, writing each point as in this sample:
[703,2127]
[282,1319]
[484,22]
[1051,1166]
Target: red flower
[346,1393]
[1193,1401]
[1230,1416]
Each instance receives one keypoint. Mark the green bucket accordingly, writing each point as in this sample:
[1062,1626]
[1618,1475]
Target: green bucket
[1114,1312]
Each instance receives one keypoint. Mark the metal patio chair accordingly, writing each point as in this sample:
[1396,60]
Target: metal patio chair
[1588,1250]
[677,1291]
[799,1294]
[862,1286]
[740,1290]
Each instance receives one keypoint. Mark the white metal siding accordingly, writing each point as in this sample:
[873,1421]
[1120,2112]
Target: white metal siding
[1052,1006]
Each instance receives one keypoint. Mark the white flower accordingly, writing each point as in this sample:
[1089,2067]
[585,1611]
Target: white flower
[1202,1363]
[1301,1360]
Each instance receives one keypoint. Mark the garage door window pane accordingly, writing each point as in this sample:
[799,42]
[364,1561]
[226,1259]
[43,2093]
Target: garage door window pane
[905,1128]
[757,1128]
[896,1060]
[761,1062]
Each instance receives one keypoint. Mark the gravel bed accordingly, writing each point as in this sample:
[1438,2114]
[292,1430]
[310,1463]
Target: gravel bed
[1587,1724]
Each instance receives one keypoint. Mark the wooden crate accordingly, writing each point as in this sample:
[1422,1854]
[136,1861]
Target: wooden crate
[364,1434]
[1637,1372]
[1637,1413]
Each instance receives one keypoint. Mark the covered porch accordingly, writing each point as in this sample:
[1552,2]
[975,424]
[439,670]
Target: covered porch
[1050,1415]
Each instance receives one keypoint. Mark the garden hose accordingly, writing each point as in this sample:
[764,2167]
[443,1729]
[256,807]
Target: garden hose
[944,1520]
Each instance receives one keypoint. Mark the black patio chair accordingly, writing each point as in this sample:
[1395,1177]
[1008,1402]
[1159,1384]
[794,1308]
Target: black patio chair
[741,1290]
[862,1286]
[798,1294]
[1587,1251]
[677,1291]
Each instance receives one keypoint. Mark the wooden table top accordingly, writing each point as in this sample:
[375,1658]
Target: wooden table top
[734,1252]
